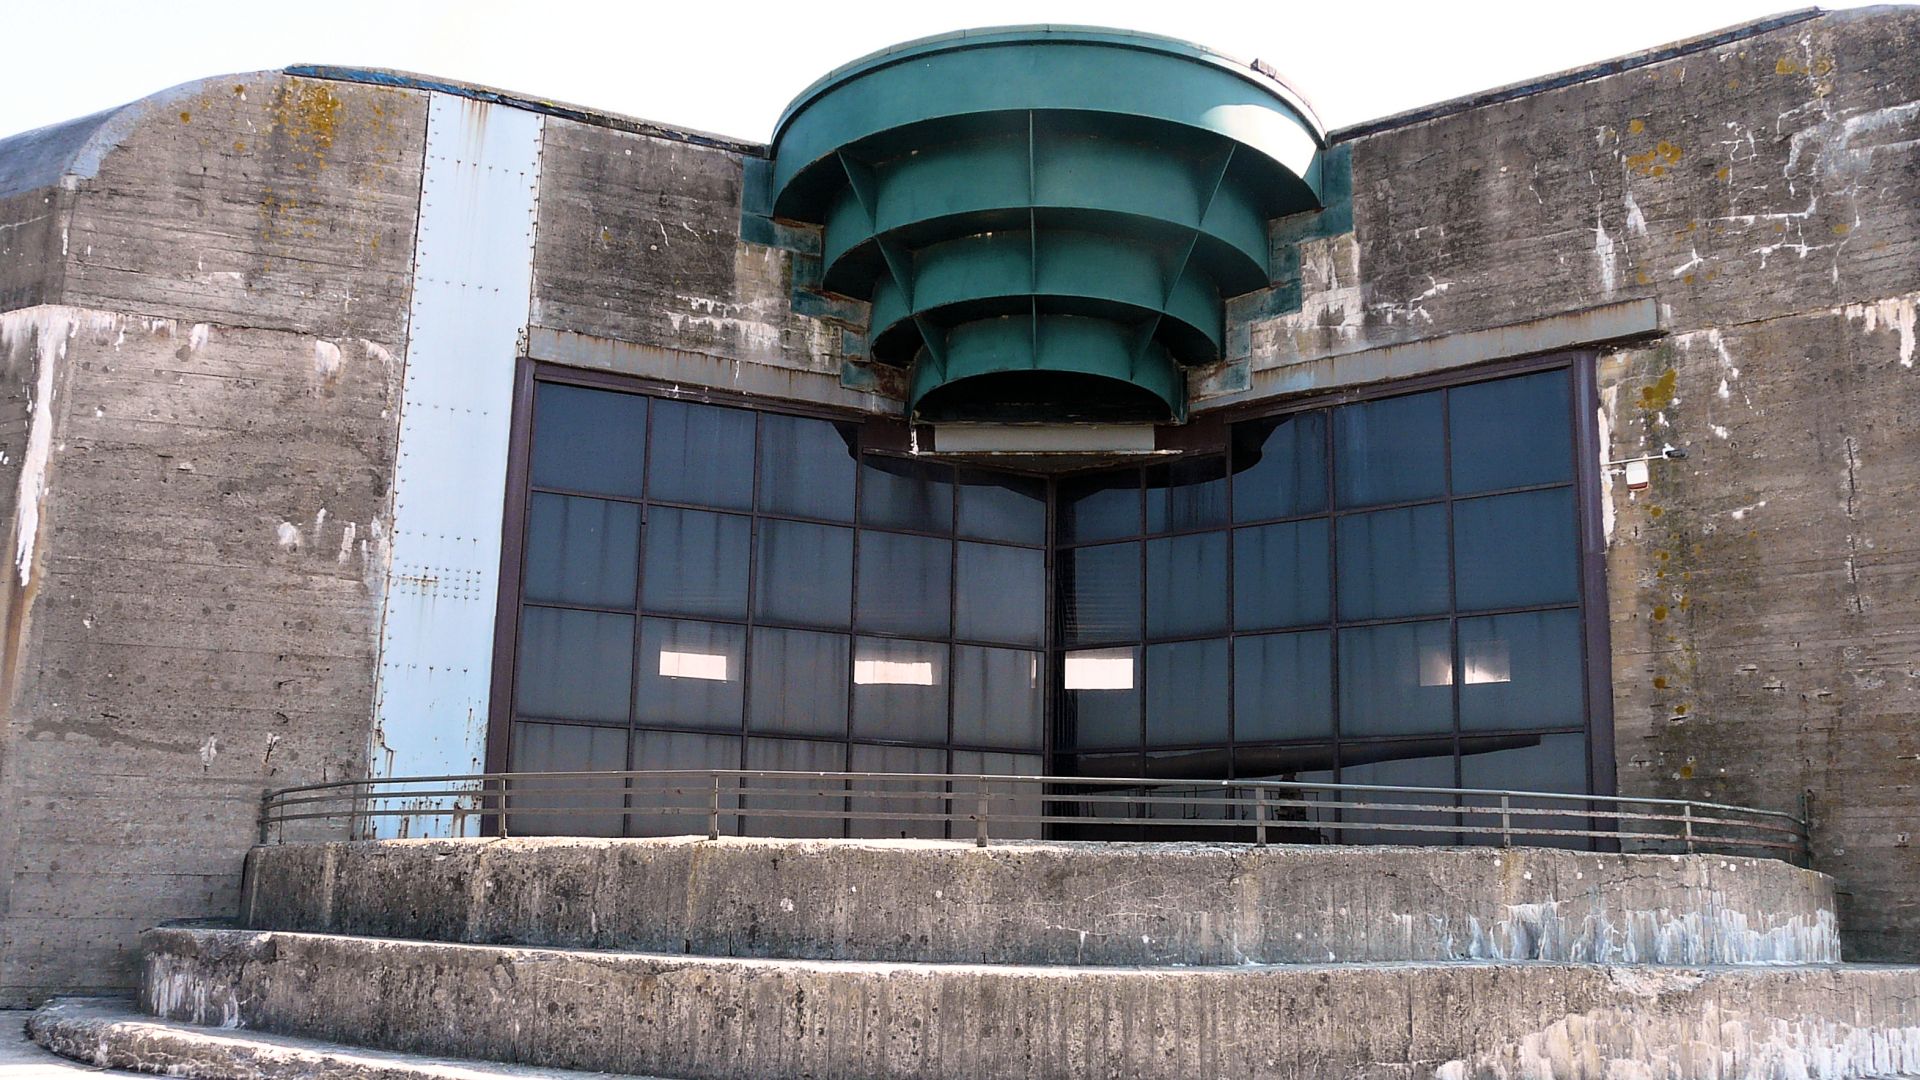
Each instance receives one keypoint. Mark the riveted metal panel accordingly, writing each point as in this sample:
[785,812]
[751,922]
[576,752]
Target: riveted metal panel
[473,267]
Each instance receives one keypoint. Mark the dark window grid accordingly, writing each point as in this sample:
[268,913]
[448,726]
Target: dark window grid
[837,740]
[1453,614]
[1351,741]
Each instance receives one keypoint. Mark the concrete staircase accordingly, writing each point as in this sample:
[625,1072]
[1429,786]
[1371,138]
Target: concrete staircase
[847,959]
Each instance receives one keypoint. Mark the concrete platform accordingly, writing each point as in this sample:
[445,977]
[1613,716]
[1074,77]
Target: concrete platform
[709,1018]
[1052,903]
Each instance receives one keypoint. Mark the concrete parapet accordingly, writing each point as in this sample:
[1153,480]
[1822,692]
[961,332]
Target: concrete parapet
[1053,903]
[708,1018]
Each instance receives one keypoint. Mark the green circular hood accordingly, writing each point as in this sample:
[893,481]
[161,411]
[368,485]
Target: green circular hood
[1046,220]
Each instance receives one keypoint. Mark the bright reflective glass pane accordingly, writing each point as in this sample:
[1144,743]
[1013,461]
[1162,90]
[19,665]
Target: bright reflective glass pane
[581,551]
[588,440]
[1000,507]
[1282,686]
[1386,451]
[899,493]
[1100,592]
[1190,493]
[899,690]
[1511,432]
[1102,698]
[1187,692]
[692,674]
[1187,585]
[1515,550]
[1000,594]
[807,467]
[1280,575]
[1280,467]
[905,583]
[803,574]
[1393,563]
[696,563]
[578,808]
[702,454]
[997,697]
[1396,679]
[1521,671]
[805,679]
[1100,507]
[574,665]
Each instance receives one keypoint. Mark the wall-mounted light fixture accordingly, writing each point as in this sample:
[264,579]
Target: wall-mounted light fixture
[1636,471]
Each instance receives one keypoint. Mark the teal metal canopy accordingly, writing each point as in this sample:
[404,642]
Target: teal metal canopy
[1046,220]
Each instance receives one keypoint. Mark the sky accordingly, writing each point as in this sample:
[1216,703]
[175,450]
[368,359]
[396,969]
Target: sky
[730,68]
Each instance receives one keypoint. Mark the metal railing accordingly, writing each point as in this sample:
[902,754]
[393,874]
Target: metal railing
[982,807]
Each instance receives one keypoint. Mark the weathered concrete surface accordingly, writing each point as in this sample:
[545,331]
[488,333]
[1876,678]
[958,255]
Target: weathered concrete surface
[1054,903]
[108,1033]
[191,616]
[709,1018]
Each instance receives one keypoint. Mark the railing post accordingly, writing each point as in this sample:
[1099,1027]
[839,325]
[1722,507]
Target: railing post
[1506,821]
[1260,816]
[713,809]
[266,797]
[1686,823]
[506,797]
[980,818]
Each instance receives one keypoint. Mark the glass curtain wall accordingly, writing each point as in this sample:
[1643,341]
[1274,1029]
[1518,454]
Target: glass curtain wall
[1384,592]
[716,587]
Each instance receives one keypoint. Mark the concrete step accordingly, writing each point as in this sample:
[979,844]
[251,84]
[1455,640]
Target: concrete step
[1052,903]
[111,1034]
[713,1018]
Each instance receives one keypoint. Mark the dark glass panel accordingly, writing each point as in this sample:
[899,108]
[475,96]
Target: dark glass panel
[997,697]
[899,690]
[1190,493]
[581,551]
[583,807]
[702,454]
[691,674]
[1283,686]
[995,506]
[1387,451]
[1187,585]
[1100,593]
[900,493]
[1024,800]
[574,665]
[1521,671]
[1187,693]
[796,755]
[1311,764]
[800,679]
[1511,433]
[1102,698]
[1528,763]
[1407,763]
[1393,563]
[803,573]
[807,467]
[1100,507]
[1000,594]
[1396,679]
[675,750]
[903,798]
[1280,575]
[905,584]
[1514,550]
[1280,467]
[588,440]
[696,563]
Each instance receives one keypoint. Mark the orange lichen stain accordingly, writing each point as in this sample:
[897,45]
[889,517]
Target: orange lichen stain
[186,117]
[1681,709]
[1686,772]
[1636,125]
[606,236]
[1688,279]
[239,146]
[1660,613]
[1726,171]
[1659,682]
[1663,556]
[1660,394]
[1640,278]
[240,89]
[1733,84]
[1654,162]
[1711,274]
[1655,511]
[1842,228]
[1661,574]
[1686,602]
[1787,65]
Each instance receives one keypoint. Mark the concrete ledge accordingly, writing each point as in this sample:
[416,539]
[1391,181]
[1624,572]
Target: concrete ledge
[109,1034]
[712,1018]
[1052,903]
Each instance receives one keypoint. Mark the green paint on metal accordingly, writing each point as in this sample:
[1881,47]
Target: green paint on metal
[1039,211]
